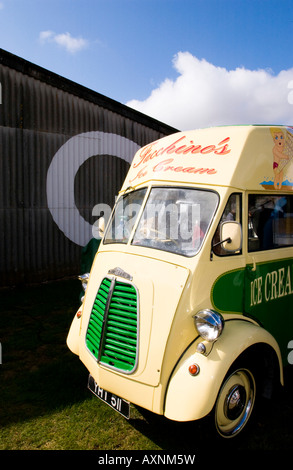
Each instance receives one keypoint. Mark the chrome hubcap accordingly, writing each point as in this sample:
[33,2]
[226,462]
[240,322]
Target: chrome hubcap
[235,403]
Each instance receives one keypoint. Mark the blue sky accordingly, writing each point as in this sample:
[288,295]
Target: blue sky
[189,63]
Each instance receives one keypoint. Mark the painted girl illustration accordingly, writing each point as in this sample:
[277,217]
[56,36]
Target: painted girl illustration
[279,156]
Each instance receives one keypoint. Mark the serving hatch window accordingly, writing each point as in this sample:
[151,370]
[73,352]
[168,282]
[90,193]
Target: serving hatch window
[173,219]
[270,221]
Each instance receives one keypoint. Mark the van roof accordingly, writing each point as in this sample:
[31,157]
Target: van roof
[254,157]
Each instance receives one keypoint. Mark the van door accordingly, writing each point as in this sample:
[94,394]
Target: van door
[227,292]
[269,272]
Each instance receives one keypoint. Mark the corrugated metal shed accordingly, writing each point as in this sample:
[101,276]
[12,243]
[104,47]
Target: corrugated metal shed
[64,149]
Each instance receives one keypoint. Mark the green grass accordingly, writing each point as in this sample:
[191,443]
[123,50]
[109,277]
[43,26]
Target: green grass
[45,403]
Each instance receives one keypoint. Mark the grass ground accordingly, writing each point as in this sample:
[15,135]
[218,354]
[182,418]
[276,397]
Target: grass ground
[45,404]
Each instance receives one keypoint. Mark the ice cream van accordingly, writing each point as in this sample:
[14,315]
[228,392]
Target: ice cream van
[187,309]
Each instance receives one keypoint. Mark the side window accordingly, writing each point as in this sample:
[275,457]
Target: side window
[270,223]
[233,211]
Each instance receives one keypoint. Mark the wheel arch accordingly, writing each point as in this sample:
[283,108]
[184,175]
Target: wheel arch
[189,398]
[266,363]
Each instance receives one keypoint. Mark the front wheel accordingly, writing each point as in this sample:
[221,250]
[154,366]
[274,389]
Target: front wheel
[235,402]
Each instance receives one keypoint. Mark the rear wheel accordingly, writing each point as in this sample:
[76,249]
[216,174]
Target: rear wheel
[235,402]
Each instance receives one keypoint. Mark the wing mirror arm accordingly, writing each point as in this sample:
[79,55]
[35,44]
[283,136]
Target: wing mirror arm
[227,240]
[231,237]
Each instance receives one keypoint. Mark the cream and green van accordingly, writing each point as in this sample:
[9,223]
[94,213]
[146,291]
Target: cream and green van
[188,306]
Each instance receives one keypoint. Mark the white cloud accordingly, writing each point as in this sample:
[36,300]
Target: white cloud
[205,95]
[65,40]
[46,36]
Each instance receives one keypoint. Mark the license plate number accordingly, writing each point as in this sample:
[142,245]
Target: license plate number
[115,402]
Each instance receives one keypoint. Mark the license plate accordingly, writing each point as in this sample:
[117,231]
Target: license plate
[117,403]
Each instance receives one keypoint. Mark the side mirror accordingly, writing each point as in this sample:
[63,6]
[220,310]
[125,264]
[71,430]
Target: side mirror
[101,226]
[231,236]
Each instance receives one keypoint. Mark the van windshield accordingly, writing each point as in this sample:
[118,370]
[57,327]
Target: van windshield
[171,219]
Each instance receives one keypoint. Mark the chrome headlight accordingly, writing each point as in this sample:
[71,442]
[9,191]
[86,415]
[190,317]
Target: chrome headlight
[209,324]
[84,280]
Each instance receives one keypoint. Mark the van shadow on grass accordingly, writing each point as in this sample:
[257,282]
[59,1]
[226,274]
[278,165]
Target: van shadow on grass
[270,429]
[38,372]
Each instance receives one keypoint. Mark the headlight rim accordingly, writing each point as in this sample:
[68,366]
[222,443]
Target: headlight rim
[211,318]
[84,278]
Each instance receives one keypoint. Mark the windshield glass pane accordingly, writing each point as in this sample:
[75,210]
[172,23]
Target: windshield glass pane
[125,215]
[176,220]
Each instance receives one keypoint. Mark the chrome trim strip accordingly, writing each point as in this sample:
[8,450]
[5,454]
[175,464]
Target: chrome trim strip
[105,318]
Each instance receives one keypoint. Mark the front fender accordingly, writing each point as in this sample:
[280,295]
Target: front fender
[193,397]
[72,339]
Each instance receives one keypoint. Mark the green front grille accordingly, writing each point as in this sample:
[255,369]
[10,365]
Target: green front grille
[114,343]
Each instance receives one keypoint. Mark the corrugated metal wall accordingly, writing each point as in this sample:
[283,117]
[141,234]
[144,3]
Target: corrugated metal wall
[64,149]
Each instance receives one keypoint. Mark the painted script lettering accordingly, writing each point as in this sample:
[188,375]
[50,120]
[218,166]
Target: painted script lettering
[181,147]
